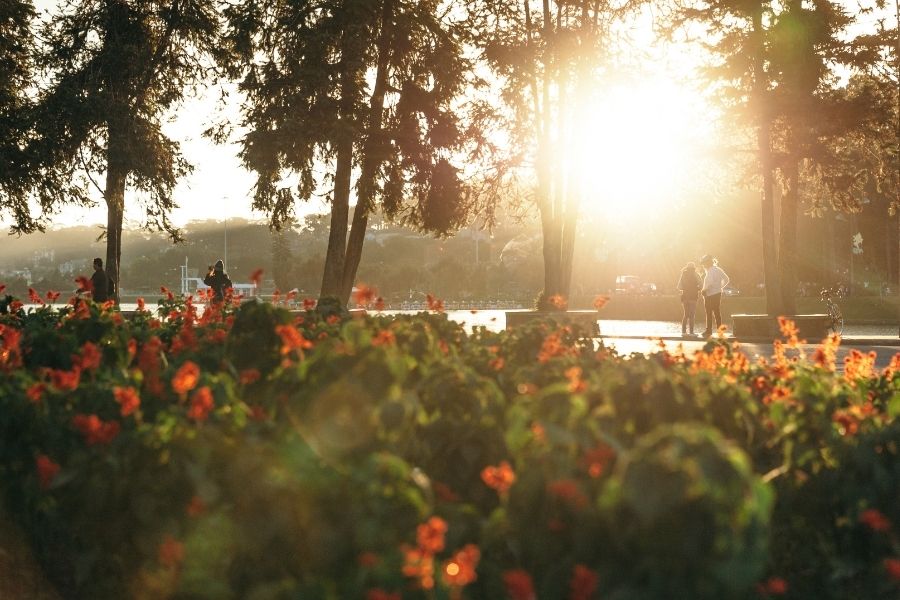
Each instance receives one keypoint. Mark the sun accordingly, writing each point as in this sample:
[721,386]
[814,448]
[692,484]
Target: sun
[638,146]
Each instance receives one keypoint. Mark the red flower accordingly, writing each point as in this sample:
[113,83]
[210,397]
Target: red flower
[256,277]
[892,566]
[569,491]
[379,594]
[171,552]
[52,296]
[85,285]
[127,398]
[583,583]
[309,303]
[430,535]
[459,571]
[774,586]
[46,470]
[65,381]
[384,338]
[364,295]
[434,303]
[186,378]
[95,430]
[90,357]
[597,459]
[201,404]
[35,392]
[875,520]
[34,297]
[499,478]
[367,560]
[10,350]
[248,376]
[518,585]
[196,507]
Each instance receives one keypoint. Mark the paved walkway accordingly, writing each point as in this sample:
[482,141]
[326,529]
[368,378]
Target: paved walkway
[884,347]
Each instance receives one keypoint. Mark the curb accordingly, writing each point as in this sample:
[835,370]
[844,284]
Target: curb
[872,341]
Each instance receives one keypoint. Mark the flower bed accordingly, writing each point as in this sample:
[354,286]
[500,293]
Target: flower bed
[251,453]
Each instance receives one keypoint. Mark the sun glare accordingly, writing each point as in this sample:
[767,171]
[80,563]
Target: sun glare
[637,147]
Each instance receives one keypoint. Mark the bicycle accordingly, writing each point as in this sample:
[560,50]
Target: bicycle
[835,316]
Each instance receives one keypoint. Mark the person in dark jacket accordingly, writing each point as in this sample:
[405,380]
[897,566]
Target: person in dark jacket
[689,284]
[99,282]
[217,281]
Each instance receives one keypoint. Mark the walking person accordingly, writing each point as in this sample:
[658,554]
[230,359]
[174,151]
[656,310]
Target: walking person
[217,281]
[714,283]
[689,284]
[99,291]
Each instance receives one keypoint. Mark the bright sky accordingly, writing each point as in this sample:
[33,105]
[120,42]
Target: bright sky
[642,143]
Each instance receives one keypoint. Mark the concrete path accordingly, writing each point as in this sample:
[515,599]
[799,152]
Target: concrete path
[885,348]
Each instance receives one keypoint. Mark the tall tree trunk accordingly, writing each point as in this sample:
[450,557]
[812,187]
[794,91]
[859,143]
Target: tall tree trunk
[366,189]
[787,251]
[114,196]
[332,277]
[547,201]
[764,154]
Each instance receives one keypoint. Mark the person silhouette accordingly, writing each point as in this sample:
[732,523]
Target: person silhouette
[218,281]
[714,283]
[689,284]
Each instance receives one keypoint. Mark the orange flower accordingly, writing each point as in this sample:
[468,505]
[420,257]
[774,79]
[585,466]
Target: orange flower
[518,585]
[892,566]
[95,430]
[858,366]
[10,349]
[364,295]
[419,564]
[367,560]
[789,331]
[84,284]
[497,364]
[186,378]
[127,398]
[847,422]
[600,301]
[35,392]
[309,303]
[875,520]
[583,583]
[384,338]
[558,302]
[46,470]
[291,339]
[459,570]
[171,552]
[499,478]
[201,404]
[576,383]
[430,535]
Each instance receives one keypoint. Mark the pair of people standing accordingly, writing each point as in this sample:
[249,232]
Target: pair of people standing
[711,287]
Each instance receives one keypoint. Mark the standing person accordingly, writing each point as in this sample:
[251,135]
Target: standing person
[713,284]
[99,282]
[217,281]
[689,284]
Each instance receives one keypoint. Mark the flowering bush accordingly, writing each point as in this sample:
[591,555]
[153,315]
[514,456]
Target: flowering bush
[252,452]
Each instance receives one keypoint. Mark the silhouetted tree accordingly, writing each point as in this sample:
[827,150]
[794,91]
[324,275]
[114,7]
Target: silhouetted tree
[370,88]
[113,69]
